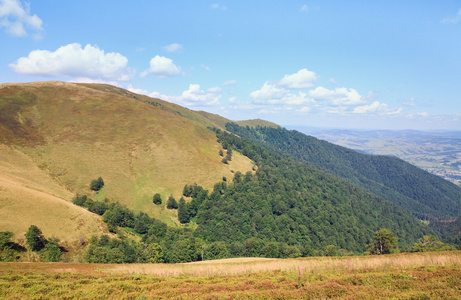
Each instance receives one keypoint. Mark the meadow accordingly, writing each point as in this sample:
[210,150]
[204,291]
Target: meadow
[433,275]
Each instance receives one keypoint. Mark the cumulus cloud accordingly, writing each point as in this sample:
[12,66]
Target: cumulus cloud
[295,93]
[268,92]
[74,61]
[376,107]
[338,96]
[193,96]
[303,79]
[14,16]
[173,47]
[162,67]
[453,20]
[272,94]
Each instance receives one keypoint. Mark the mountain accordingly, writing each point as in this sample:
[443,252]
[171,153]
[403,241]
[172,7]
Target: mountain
[56,137]
[251,190]
[424,195]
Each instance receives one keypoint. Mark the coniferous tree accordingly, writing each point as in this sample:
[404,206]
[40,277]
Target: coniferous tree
[183,214]
[172,203]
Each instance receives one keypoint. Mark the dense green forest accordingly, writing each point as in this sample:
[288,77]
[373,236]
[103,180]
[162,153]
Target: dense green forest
[291,202]
[425,195]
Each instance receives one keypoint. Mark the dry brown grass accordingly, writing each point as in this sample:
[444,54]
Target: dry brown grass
[236,266]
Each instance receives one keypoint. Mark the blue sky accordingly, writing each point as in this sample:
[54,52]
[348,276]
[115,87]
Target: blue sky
[343,64]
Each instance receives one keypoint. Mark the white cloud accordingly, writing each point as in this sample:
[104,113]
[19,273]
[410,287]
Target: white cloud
[193,96]
[147,93]
[376,107]
[173,47]
[271,94]
[338,96]
[229,82]
[453,20]
[299,99]
[14,16]
[74,61]
[268,92]
[303,79]
[162,67]
[304,8]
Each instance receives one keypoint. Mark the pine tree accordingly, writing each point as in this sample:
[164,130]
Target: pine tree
[183,214]
[172,203]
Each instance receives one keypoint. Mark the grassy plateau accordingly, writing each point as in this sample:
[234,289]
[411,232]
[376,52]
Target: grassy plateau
[433,275]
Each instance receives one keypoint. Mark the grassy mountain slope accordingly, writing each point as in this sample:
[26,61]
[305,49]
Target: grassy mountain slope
[140,146]
[29,196]
[421,193]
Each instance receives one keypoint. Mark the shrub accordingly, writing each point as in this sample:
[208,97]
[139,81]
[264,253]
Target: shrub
[157,199]
[97,184]
[35,238]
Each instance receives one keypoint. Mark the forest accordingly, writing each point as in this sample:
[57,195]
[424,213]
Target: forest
[388,177]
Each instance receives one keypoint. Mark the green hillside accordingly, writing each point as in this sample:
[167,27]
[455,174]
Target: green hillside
[70,134]
[425,195]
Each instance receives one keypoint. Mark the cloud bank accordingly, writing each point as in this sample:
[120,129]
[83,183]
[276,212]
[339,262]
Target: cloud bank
[297,93]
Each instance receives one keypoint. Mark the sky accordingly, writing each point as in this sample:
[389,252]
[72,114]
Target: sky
[319,63]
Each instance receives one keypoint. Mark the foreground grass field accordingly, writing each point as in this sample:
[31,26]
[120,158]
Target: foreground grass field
[434,275]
